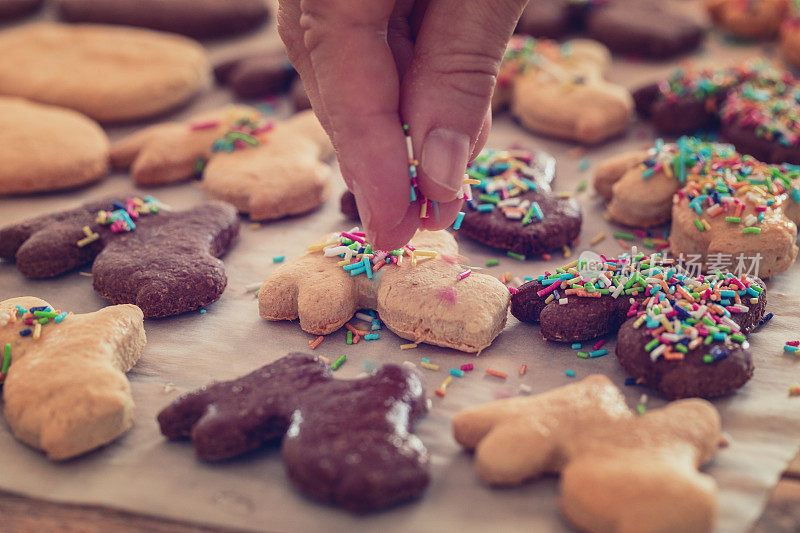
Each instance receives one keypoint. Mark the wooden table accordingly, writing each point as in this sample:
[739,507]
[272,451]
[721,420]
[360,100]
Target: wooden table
[18,513]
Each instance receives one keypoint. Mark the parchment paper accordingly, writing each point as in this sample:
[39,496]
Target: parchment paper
[142,472]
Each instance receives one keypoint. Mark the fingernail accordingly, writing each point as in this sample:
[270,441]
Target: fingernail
[444,158]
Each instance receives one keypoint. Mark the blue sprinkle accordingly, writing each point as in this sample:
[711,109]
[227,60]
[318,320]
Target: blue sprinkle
[576,346]
[459,219]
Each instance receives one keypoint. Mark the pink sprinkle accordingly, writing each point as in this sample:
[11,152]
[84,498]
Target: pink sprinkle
[640,233]
[793,343]
[411,247]
[464,274]
[204,125]
[467,367]
[447,294]
[598,344]
[359,233]
[548,290]
[512,290]
[353,237]
[733,309]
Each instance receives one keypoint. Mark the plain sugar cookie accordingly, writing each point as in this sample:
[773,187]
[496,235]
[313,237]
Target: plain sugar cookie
[109,73]
[45,148]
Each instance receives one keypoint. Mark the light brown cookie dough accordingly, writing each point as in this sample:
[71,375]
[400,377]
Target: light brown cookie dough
[65,391]
[790,40]
[109,73]
[749,19]
[266,170]
[559,90]
[619,472]
[422,299]
[45,148]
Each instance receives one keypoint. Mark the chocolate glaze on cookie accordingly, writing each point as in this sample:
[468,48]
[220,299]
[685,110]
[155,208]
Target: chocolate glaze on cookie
[681,346]
[196,18]
[167,265]
[641,27]
[258,75]
[16,8]
[344,442]
[514,209]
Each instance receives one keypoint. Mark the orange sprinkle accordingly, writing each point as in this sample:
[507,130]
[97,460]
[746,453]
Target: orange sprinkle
[672,356]
[546,257]
[356,331]
[439,392]
[316,342]
[496,373]
[523,369]
[356,338]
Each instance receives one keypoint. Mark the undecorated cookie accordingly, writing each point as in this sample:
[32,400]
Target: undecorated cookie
[650,28]
[164,262]
[749,19]
[109,73]
[559,90]
[343,442]
[718,201]
[65,390]
[422,293]
[267,170]
[620,472]
[790,40]
[680,333]
[196,18]
[45,148]
[513,208]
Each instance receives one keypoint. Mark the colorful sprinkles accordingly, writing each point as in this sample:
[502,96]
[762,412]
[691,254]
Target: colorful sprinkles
[38,317]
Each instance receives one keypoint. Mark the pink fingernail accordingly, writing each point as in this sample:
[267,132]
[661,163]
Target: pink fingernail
[444,158]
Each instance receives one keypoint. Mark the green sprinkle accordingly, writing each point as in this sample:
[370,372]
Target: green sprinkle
[624,235]
[46,314]
[735,220]
[6,359]
[651,345]
[751,230]
[583,184]
[699,225]
[641,409]
[349,337]
[515,255]
[681,348]
[490,198]
[582,355]
[708,358]
[738,337]
[492,262]
[339,362]
[570,373]
[44,320]
[405,128]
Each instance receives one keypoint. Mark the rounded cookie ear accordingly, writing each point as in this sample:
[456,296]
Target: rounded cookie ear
[125,151]
[326,302]
[515,451]
[608,172]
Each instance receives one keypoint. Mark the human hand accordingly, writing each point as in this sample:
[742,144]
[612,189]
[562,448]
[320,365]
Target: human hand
[371,65]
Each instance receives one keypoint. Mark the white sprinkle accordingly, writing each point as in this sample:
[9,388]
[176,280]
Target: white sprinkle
[365,317]
[562,301]
[655,354]
[524,389]
[253,286]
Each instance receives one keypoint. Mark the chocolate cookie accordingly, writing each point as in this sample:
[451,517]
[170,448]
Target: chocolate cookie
[16,8]
[257,75]
[197,18]
[754,104]
[164,262]
[681,334]
[513,208]
[260,75]
[344,442]
[348,206]
[642,27]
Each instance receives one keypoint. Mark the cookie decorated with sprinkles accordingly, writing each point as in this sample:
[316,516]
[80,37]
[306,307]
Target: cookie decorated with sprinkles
[717,201]
[164,262]
[680,333]
[755,105]
[512,207]
[45,148]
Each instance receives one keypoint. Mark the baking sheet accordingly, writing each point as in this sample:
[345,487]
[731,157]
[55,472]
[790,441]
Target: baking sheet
[144,473]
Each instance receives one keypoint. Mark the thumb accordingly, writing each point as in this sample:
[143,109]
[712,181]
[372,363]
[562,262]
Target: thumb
[447,92]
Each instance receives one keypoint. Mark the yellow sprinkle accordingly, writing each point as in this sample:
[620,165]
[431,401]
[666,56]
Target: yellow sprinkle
[429,366]
[446,382]
[668,170]
[88,240]
[597,238]
[87,231]
[423,210]
[706,224]
[324,359]
[564,194]
[425,253]
[255,225]
[470,181]
[343,263]
[567,251]
[549,299]
[639,322]
[666,323]
[37,330]
[573,264]
[408,346]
